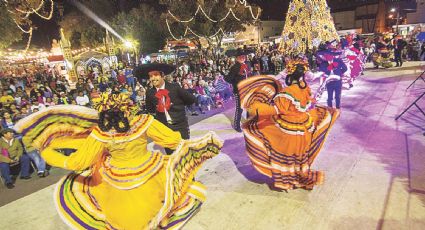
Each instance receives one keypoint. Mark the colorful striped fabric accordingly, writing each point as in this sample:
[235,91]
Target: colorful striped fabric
[79,209]
[56,121]
[258,89]
[159,190]
[284,146]
[183,195]
[75,205]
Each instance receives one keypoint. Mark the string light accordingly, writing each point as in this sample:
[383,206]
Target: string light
[230,11]
[188,29]
[18,12]
[32,9]
[50,14]
[244,3]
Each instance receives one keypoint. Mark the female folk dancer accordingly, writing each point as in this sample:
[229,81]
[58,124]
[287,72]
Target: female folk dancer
[284,136]
[116,182]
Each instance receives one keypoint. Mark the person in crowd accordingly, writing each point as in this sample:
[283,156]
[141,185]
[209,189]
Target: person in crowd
[121,78]
[6,99]
[36,105]
[94,93]
[191,108]
[130,78]
[39,162]
[55,99]
[203,99]
[222,87]
[49,102]
[40,98]
[81,86]
[23,113]
[12,154]
[63,99]
[218,100]
[131,93]
[141,99]
[399,45]
[167,101]
[19,95]
[46,92]
[114,75]
[7,120]
[90,86]
[82,99]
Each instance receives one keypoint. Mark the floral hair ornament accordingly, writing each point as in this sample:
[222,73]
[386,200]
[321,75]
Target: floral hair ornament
[291,66]
[119,101]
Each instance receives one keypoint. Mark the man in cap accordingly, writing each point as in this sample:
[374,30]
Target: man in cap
[238,72]
[167,101]
[12,153]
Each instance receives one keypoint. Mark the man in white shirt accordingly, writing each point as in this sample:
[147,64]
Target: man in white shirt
[36,106]
[82,99]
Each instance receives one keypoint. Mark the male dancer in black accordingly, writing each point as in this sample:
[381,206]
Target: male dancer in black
[167,101]
[238,72]
[398,48]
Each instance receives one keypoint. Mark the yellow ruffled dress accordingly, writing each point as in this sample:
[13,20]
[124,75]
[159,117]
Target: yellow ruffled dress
[117,183]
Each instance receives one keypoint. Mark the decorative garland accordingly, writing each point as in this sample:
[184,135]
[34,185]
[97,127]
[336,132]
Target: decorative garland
[200,9]
[16,11]
[230,11]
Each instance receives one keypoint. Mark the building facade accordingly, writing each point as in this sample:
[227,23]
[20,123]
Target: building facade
[371,16]
[418,16]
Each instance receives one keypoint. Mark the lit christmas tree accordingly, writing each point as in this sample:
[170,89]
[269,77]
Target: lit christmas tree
[308,23]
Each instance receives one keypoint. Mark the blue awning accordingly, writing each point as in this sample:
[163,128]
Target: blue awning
[421,36]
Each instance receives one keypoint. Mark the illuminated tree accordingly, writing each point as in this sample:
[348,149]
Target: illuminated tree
[308,23]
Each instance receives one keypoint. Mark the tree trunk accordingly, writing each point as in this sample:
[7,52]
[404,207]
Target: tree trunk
[197,42]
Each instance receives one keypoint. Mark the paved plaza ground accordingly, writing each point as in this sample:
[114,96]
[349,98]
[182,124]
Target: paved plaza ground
[374,165]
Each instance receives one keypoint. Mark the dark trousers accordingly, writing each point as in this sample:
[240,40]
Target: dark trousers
[184,132]
[334,87]
[397,57]
[24,161]
[238,113]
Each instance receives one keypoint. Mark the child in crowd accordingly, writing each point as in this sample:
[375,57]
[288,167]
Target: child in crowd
[219,102]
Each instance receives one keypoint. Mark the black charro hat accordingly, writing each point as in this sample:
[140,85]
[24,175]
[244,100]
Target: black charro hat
[142,71]
[238,52]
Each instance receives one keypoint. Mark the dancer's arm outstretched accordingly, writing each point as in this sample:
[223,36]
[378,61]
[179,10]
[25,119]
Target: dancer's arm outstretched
[163,136]
[88,151]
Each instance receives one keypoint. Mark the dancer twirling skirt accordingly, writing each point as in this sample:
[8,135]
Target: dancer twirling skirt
[284,136]
[116,182]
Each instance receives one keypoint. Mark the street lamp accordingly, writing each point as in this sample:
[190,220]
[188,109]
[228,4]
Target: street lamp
[398,9]
[393,10]
[130,45]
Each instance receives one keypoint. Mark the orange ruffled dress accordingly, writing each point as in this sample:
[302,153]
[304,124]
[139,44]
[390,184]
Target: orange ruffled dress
[285,136]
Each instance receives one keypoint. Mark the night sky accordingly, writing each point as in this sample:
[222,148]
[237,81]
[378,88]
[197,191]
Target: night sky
[271,10]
